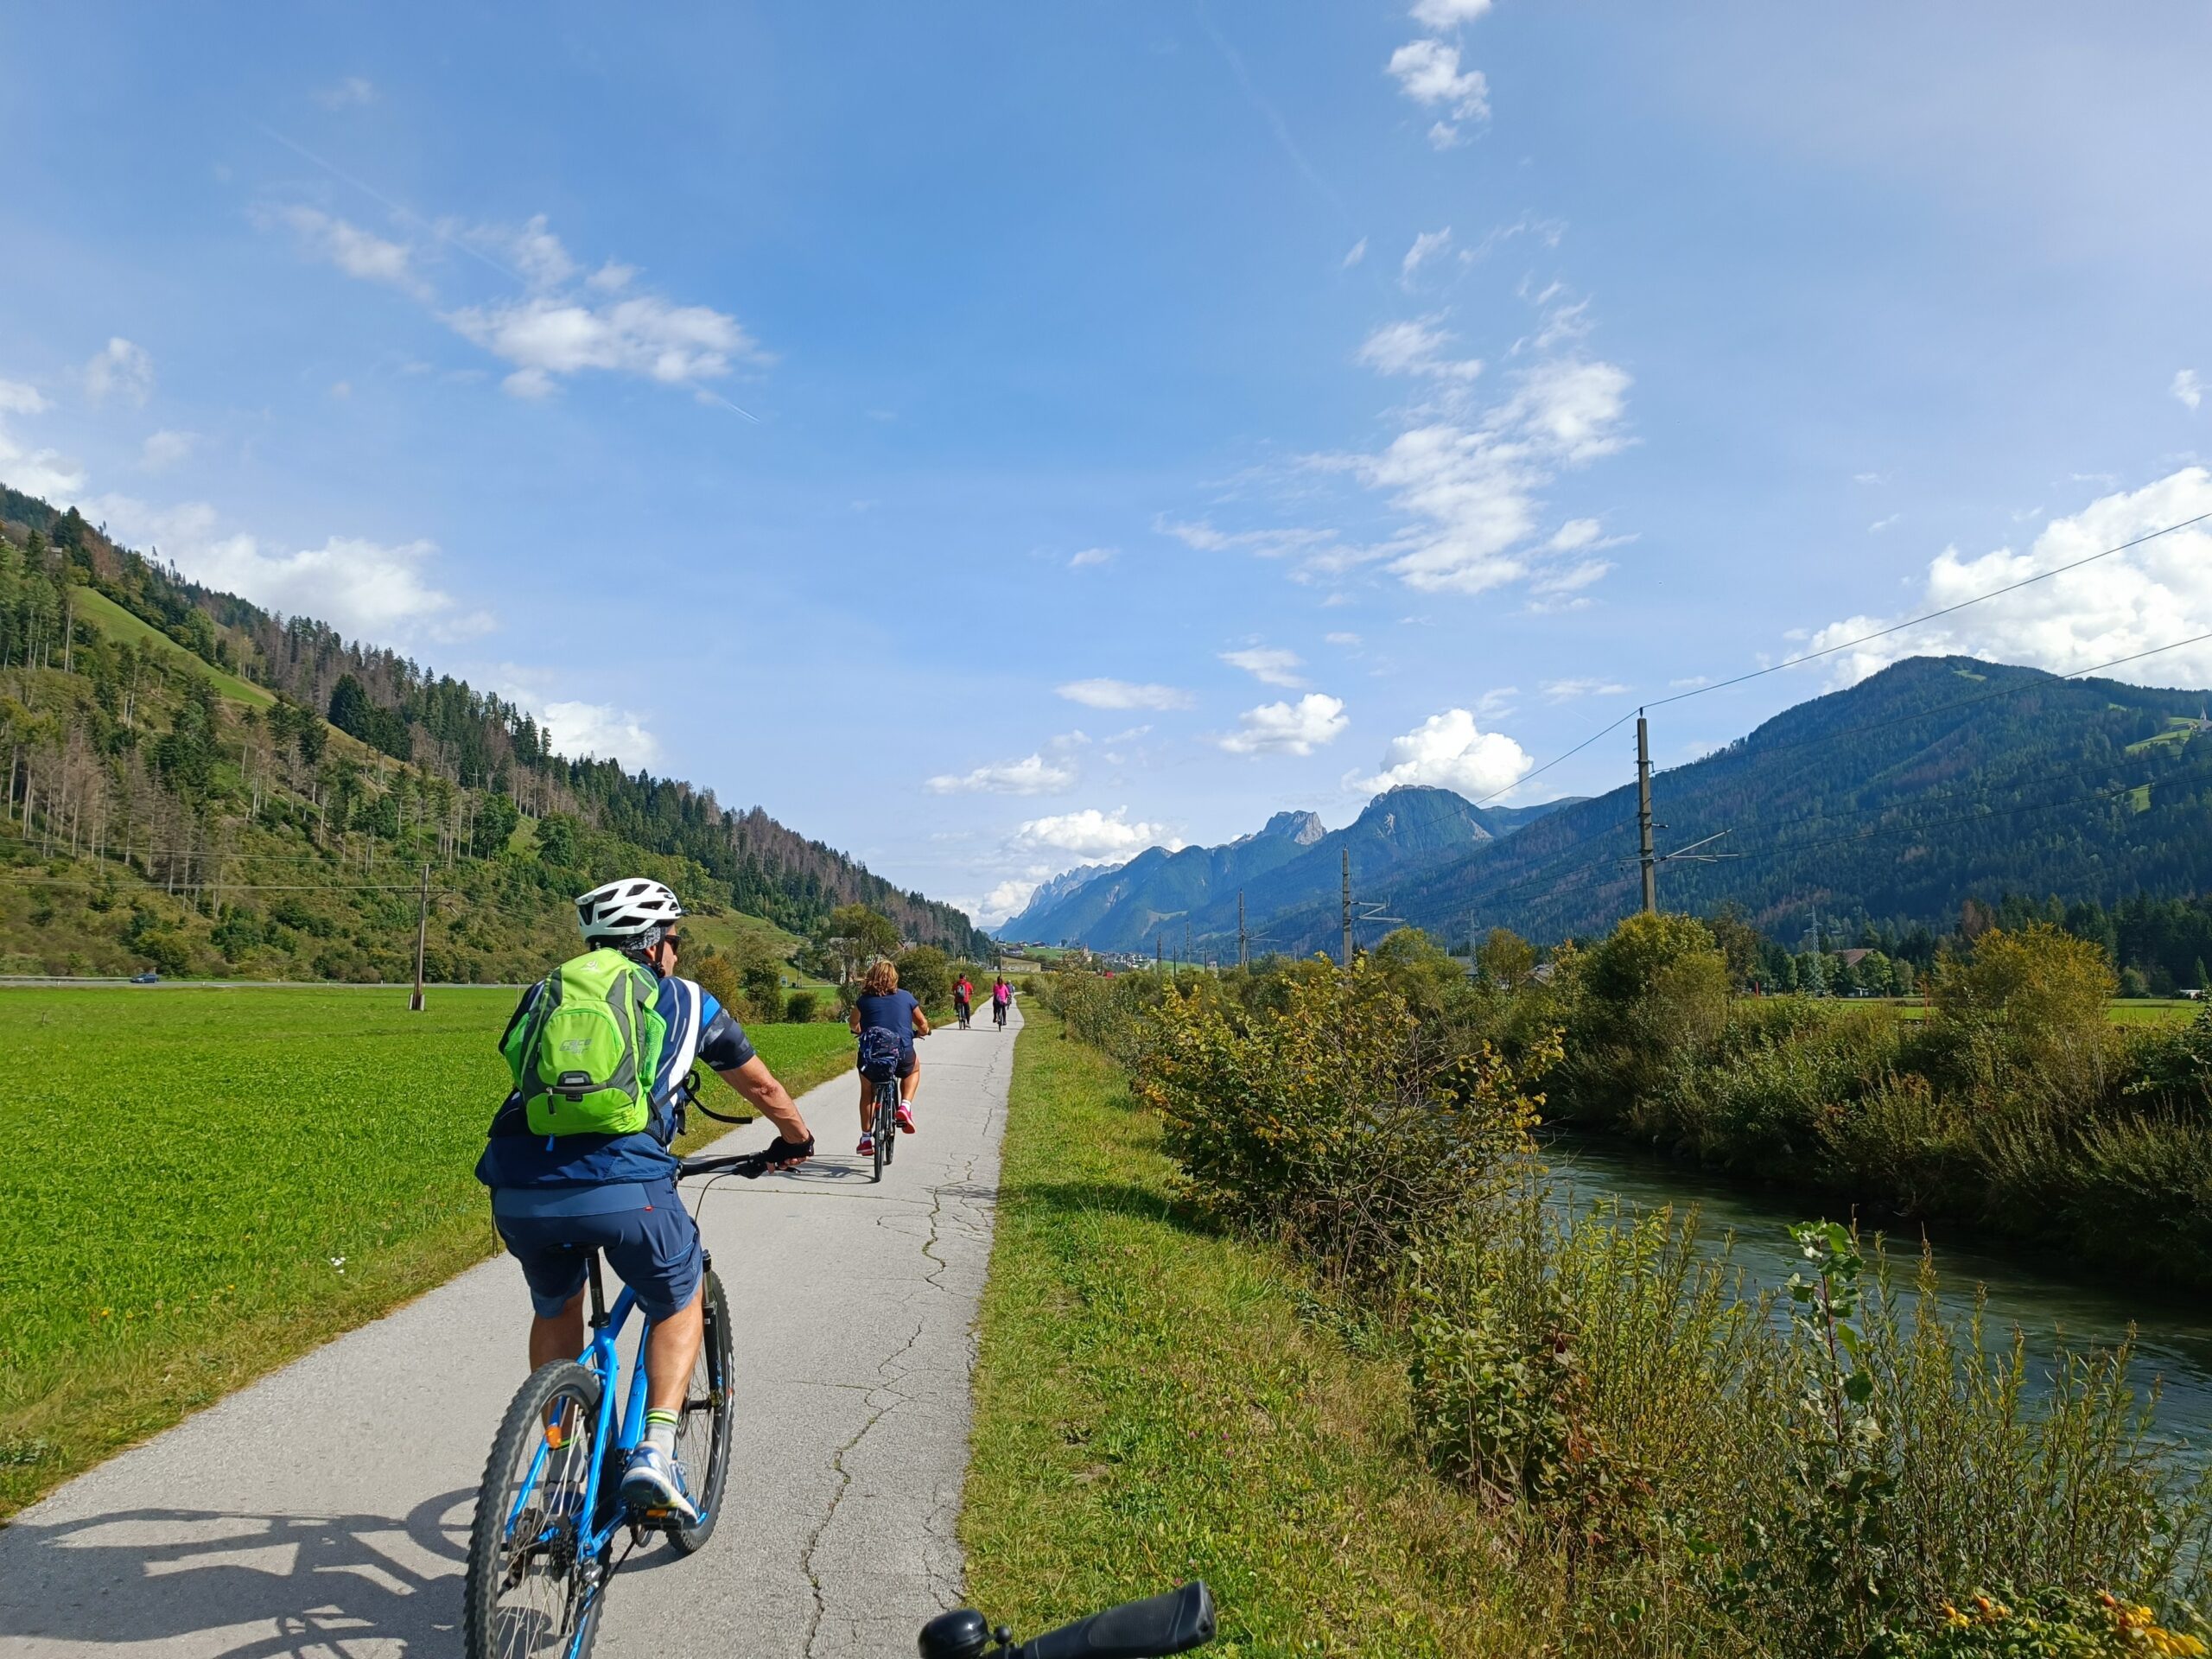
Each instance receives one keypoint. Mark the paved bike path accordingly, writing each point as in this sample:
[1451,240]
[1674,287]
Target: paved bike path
[325,1509]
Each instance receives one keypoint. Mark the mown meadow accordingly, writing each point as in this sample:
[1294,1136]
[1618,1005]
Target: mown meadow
[206,1183]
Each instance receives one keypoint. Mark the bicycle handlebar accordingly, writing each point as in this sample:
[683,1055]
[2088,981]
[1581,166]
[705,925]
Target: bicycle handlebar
[1174,1622]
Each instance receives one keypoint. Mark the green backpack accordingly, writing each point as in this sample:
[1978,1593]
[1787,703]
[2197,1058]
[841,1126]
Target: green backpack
[585,1059]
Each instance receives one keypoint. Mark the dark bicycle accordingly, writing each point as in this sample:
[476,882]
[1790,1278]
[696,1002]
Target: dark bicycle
[1175,1622]
[998,1013]
[885,1130]
[550,1512]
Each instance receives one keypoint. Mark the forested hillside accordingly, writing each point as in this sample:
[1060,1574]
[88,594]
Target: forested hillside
[1890,804]
[196,783]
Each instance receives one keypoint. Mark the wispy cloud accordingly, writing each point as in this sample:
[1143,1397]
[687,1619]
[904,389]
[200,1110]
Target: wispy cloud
[1271,665]
[2187,388]
[1092,556]
[1124,693]
[1031,775]
[165,449]
[1428,73]
[1426,246]
[1563,690]
[122,370]
[1416,347]
[359,253]
[352,93]
[1358,252]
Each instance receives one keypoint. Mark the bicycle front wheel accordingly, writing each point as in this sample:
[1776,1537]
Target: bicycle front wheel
[529,1591]
[703,1438]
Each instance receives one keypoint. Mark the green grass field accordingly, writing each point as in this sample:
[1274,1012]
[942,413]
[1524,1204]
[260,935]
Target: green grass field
[1150,1408]
[97,608]
[204,1184]
[2121,1010]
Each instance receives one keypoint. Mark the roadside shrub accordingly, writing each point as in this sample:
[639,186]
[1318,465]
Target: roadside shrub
[1334,1125]
[717,976]
[801,1007]
[927,972]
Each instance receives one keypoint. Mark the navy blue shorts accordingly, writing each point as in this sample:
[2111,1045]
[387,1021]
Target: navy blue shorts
[653,1249]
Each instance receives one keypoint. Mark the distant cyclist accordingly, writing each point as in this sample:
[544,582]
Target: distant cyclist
[963,998]
[578,1157]
[1001,998]
[883,1007]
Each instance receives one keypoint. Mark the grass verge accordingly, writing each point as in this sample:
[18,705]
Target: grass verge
[204,1185]
[1150,1407]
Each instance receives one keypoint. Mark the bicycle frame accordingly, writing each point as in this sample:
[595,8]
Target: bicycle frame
[603,1358]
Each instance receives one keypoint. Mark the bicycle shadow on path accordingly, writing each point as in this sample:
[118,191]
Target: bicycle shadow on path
[201,1583]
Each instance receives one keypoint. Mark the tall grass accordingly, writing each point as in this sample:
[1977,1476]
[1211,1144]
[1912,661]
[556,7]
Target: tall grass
[1671,1463]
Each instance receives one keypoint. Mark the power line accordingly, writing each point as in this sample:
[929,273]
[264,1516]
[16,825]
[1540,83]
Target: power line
[1878,633]
[1914,622]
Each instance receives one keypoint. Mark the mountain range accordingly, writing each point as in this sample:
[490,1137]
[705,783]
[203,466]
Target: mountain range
[1292,859]
[1936,780]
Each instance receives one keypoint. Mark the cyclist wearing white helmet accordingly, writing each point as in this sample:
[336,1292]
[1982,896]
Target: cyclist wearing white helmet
[557,1196]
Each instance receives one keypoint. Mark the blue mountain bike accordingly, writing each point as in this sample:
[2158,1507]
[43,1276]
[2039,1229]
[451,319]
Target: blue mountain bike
[551,1514]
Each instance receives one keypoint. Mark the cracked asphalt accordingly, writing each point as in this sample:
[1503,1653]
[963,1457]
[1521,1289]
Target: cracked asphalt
[324,1510]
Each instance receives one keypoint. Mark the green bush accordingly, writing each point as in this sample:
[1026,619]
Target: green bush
[801,1007]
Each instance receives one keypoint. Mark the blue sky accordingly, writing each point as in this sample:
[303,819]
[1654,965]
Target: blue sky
[992,436]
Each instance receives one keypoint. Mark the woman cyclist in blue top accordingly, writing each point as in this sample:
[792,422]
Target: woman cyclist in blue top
[882,1006]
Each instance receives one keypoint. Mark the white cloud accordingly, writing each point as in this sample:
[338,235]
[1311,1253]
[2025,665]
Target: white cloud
[2129,602]
[1287,728]
[1032,775]
[1447,14]
[1091,833]
[1343,638]
[2188,388]
[1358,252]
[359,587]
[1091,555]
[611,277]
[1881,525]
[1009,897]
[165,448]
[1450,751]
[1428,73]
[120,370]
[1426,246]
[1270,665]
[350,92]
[1416,348]
[544,336]
[1123,694]
[1561,691]
[359,253]
[1266,544]
[1471,490]
[596,731]
[17,398]
[47,473]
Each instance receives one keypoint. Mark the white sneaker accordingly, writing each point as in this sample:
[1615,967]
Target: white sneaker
[653,1480]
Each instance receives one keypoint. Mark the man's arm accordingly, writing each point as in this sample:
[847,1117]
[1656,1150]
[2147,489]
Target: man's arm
[921,1020]
[758,1084]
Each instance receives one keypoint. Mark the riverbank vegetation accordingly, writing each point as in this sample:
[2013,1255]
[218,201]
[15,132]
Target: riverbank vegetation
[1624,1449]
[221,1180]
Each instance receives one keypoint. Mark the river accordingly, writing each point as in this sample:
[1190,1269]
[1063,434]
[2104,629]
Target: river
[2173,1336]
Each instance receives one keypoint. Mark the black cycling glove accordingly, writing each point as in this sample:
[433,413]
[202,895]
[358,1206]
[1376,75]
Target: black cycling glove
[780,1154]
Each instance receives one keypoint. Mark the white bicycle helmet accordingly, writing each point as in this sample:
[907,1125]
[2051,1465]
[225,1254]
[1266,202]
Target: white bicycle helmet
[630,912]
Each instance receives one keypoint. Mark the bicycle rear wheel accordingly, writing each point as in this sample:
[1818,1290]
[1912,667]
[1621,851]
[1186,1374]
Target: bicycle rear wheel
[528,1593]
[703,1438]
[885,1129]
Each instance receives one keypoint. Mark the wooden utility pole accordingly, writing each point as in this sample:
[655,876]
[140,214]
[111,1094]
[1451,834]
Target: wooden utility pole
[1347,909]
[1643,816]
[1244,944]
[422,937]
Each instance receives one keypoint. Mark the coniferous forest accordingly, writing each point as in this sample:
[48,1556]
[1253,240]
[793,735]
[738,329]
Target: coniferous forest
[195,784]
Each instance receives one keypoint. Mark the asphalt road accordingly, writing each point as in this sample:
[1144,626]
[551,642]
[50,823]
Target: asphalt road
[324,1510]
